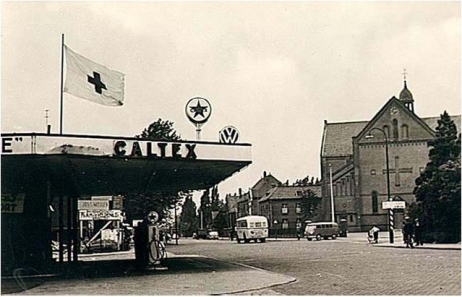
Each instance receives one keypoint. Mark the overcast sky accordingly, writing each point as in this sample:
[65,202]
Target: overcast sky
[274,70]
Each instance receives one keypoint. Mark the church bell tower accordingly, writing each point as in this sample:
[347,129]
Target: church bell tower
[406,96]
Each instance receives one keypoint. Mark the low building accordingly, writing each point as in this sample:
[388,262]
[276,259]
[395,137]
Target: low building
[247,202]
[282,205]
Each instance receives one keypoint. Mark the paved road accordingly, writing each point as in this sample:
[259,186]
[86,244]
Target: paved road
[346,266]
[341,267]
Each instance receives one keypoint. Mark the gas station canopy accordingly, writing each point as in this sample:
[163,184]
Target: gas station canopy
[102,165]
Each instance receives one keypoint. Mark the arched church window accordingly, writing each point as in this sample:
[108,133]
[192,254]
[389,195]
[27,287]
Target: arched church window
[351,185]
[375,202]
[386,129]
[347,186]
[395,129]
[405,131]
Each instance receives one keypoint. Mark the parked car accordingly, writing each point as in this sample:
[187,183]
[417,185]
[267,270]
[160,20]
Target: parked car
[212,235]
[201,234]
[321,230]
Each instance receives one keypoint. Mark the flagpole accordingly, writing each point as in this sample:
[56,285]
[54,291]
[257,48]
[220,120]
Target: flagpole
[61,91]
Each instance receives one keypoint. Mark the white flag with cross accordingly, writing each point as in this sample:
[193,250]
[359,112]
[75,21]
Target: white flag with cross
[91,81]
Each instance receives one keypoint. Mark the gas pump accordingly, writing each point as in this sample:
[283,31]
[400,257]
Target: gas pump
[149,244]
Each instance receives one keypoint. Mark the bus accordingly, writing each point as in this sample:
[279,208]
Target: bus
[321,230]
[251,228]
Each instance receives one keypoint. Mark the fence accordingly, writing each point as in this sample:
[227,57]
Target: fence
[284,233]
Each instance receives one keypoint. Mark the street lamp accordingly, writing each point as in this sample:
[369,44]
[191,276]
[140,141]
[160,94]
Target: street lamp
[390,211]
[331,195]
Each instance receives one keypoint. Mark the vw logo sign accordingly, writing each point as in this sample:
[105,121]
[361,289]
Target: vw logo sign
[229,134]
[198,110]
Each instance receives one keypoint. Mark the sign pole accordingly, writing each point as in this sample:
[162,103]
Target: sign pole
[390,211]
[176,228]
[198,131]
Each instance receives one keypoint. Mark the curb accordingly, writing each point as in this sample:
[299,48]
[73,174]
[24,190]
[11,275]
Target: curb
[34,276]
[106,254]
[291,279]
[421,248]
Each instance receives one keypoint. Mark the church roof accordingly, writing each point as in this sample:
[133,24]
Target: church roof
[432,122]
[337,138]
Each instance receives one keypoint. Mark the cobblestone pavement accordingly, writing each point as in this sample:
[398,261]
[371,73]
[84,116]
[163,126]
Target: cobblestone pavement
[346,266]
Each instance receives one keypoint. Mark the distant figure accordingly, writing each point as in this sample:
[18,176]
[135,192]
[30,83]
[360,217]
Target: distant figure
[298,233]
[418,233]
[232,233]
[374,233]
[408,232]
[402,231]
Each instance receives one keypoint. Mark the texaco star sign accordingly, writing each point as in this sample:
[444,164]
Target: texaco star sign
[198,110]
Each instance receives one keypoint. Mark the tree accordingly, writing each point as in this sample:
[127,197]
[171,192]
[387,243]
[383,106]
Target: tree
[309,204]
[437,190]
[219,212]
[160,130]
[220,221]
[188,217]
[138,205]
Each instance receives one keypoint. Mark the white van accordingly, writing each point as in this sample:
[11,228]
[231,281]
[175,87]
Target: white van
[251,228]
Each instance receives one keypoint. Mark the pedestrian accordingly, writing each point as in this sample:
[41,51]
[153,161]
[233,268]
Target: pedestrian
[409,232]
[298,233]
[374,233]
[418,233]
[402,231]
[232,233]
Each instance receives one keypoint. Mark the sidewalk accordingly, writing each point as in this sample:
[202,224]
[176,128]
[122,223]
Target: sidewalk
[384,241]
[114,274]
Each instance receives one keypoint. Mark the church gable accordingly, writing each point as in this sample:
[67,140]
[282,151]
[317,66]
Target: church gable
[398,123]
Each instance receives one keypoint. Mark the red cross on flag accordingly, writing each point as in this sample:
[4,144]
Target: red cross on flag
[91,81]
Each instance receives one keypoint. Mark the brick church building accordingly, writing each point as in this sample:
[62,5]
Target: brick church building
[354,153]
